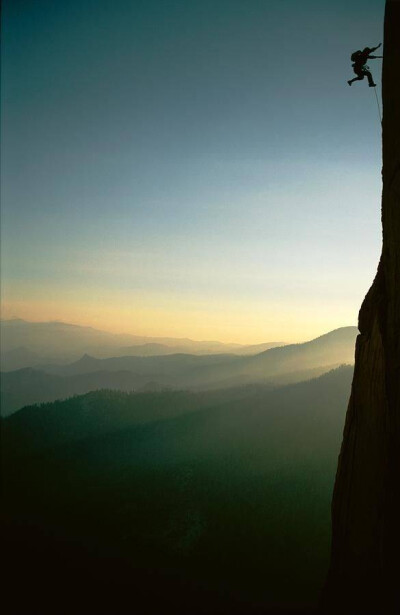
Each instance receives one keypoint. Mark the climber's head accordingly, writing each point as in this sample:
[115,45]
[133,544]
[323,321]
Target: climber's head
[367,50]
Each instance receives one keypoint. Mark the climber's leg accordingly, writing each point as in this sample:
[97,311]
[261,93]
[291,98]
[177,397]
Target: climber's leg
[370,79]
[360,77]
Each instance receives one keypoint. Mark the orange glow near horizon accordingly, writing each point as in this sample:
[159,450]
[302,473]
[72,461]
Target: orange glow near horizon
[231,323]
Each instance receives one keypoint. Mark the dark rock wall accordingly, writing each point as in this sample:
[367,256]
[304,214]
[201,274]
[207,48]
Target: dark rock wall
[365,563]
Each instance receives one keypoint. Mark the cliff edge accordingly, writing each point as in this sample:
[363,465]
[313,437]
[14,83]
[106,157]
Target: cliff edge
[364,573]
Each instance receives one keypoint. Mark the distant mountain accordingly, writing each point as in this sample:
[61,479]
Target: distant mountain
[148,350]
[58,341]
[176,367]
[153,349]
[323,353]
[18,358]
[257,348]
[185,370]
[277,366]
[29,386]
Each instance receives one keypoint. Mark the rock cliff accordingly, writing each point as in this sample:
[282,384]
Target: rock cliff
[365,560]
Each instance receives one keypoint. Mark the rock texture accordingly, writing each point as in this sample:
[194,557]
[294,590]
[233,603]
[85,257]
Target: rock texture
[364,576]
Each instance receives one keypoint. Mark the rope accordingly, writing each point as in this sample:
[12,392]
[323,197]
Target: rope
[379,107]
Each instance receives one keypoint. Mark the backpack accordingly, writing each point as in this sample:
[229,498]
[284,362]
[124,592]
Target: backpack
[355,56]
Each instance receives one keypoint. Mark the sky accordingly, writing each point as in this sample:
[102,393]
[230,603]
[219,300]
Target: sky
[189,168]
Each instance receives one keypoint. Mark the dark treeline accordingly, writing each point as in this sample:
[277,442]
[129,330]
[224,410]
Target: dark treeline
[182,502]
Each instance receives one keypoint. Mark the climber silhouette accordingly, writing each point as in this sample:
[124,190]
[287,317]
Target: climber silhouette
[360,65]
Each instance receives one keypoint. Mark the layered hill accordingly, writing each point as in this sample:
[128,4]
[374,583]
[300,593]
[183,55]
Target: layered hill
[281,365]
[31,344]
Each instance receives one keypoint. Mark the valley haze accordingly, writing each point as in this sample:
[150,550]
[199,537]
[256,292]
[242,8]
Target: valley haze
[39,362]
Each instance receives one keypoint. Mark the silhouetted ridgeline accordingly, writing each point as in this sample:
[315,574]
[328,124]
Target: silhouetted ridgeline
[365,570]
[32,344]
[277,366]
[207,502]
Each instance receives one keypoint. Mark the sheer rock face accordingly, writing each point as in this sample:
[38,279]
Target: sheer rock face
[365,562]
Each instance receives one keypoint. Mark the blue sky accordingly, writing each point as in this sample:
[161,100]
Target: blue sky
[189,168]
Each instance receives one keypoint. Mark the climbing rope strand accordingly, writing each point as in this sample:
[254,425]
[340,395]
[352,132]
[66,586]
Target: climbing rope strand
[379,107]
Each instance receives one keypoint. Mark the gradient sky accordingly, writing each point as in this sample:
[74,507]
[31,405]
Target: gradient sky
[189,168]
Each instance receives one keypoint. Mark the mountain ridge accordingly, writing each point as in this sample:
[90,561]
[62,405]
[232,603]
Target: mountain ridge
[66,342]
[275,366]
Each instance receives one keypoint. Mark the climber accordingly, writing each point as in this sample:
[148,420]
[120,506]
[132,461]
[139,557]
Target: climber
[360,67]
